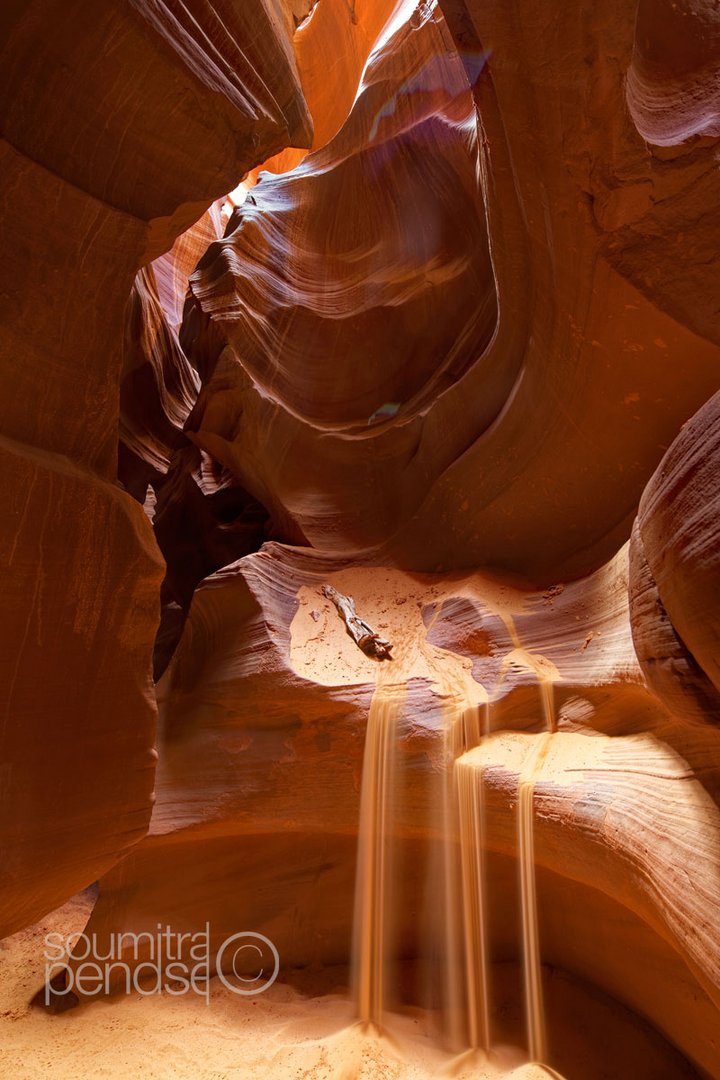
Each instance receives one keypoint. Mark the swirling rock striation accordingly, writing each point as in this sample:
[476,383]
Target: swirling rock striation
[350,294]
[672,85]
[264,713]
[355,392]
[676,571]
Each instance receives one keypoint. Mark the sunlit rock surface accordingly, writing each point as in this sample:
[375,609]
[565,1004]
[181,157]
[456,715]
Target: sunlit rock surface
[676,572]
[121,124]
[672,85]
[159,388]
[524,441]
[332,49]
[264,712]
[352,293]
[626,825]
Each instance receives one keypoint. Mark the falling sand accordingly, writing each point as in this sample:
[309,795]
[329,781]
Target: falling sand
[528,894]
[309,1026]
[472,847]
[456,882]
[374,860]
[284,1034]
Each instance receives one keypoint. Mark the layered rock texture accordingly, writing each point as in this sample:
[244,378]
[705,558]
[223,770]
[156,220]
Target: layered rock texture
[442,347]
[575,343]
[675,556]
[121,124]
[263,720]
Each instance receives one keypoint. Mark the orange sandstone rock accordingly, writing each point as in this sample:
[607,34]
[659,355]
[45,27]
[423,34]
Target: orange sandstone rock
[672,84]
[121,124]
[390,381]
[676,548]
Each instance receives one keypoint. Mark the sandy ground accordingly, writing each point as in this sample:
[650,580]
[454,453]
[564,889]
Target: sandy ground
[287,1033]
[392,603]
[306,1031]
[282,1034]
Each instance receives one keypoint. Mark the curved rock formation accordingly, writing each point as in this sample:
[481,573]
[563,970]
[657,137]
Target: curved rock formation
[673,82]
[202,518]
[80,602]
[676,570]
[332,48]
[583,352]
[630,818]
[263,722]
[173,269]
[121,124]
[159,388]
[669,667]
[372,252]
[679,527]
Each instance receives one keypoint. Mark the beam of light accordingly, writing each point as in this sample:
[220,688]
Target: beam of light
[429,78]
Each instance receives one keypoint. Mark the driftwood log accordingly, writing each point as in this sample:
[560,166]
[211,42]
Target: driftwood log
[363,635]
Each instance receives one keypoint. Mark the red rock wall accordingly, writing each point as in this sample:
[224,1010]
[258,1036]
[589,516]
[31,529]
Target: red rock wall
[361,281]
[121,124]
[675,572]
[264,714]
[524,440]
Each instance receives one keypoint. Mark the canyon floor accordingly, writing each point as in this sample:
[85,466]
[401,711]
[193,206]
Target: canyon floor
[303,1031]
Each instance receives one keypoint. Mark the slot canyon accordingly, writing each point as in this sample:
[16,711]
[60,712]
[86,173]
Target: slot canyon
[360,632]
